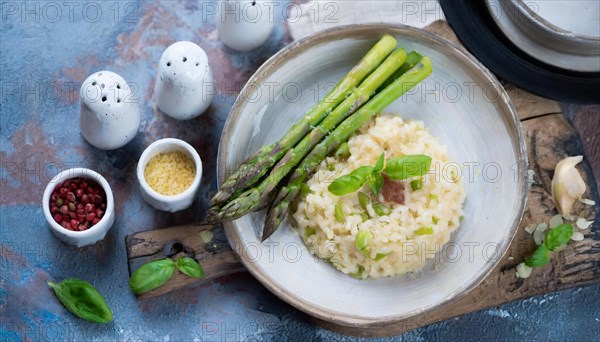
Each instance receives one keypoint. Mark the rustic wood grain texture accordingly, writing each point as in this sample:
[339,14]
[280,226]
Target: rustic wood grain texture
[586,121]
[549,138]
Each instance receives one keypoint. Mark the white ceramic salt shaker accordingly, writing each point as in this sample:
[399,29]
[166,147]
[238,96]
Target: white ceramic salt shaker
[184,86]
[244,25]
[109,115]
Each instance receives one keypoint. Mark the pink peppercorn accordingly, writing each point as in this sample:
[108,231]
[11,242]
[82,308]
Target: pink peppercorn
[77,204]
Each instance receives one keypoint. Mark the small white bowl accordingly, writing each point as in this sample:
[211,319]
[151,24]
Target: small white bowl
[159,201]
[96,232]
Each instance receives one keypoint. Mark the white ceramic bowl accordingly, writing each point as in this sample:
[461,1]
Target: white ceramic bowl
[96,232]
[478,125]
[159,201]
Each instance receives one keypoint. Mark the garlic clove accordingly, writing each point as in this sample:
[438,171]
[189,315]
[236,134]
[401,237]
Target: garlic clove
[567,184]
[530,228]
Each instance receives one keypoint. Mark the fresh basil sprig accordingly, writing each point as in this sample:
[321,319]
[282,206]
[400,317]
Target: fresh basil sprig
[375,179]
[553,239]
[82,299]
[156,273]
[396,168]
[151,275]
[190,267]
[351,182]
[539,258]
[558,236]
[407,166]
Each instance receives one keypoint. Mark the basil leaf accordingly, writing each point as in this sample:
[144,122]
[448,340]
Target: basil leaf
[376,182]
[151,275]
[375,178]
[82,299]
[351,182]
[190,267]
[558,236]
[539,257]
[408,166]
[379,165]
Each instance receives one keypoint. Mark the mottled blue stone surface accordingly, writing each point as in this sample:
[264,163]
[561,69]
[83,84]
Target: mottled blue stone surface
[47,50]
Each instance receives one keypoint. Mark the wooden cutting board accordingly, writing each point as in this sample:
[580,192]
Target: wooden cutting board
[549,138]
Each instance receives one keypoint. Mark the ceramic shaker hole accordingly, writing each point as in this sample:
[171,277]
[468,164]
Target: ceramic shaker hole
[106,120]
[183,88]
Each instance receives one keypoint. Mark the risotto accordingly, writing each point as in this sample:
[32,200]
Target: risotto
[406,233]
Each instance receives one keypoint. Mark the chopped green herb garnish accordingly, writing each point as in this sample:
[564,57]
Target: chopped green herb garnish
[363,238]
[364,200]
[424,231]
[339,213]
[380,256]
[381,210]
[416,184]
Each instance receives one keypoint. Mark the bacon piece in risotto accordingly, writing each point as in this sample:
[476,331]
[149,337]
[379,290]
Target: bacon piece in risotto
[392,191]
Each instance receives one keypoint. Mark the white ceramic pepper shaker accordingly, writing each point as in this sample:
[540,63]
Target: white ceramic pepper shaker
[184,85]
[244,25]
[109,115]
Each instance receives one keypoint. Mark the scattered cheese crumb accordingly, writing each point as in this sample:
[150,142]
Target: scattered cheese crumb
[556,221]
[577,236]
[523,271]
[587,201]
[582,223]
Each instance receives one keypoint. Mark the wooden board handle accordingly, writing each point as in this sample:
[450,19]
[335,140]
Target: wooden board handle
[206,244]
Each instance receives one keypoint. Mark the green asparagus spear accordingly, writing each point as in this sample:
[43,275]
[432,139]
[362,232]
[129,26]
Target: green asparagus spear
[287,194]
[258,196]
[257,165]
[412,59]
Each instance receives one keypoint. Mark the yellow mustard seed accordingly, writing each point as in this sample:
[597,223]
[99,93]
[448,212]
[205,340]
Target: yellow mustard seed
[170,173]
